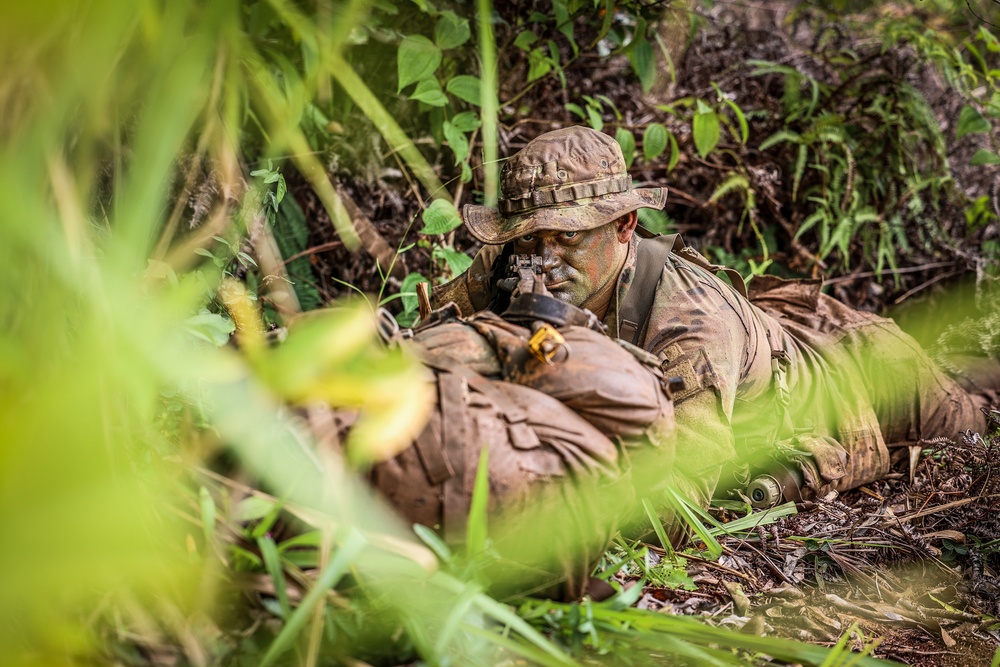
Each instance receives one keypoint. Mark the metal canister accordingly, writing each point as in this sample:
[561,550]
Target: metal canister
[783,481]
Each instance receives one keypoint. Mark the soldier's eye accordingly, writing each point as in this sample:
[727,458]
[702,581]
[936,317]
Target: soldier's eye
[569,235]
[527,238]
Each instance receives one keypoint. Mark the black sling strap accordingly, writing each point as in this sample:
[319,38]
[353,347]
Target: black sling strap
[651,255]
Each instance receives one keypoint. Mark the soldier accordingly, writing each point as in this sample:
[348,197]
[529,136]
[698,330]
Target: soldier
[782,374]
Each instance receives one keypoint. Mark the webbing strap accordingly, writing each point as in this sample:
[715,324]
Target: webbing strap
[436,464]
[651,255]
[451,394]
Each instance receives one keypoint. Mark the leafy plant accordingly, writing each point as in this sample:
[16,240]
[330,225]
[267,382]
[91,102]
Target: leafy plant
[709,117]
[593,111]
[870,169]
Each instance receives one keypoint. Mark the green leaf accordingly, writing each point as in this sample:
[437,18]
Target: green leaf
[416,60]
[655,221]
[970,121]
[456,141]
[252,508]
[272,561]
[524,40]
[282,189]
[466,121]
[576,109]
[467,88]
[451,31]
[626,140]
[675,152]
[539,64]
[734,182]
[210,327]
[564,22]
[754,519]
[696,518]
[609,103]
[741,119]
[705,127]
[654,520]
[778,137]
[408,291]
[207,513]
[800,169]
[643,63]
[429,92]
[433,541]
[982,157]
[440,218]
[594,118]
[457,261]
[654,141]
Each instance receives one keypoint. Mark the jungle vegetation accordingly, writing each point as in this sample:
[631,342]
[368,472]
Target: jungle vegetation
[183,179]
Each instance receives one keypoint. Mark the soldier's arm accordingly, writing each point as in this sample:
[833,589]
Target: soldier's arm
[701,338]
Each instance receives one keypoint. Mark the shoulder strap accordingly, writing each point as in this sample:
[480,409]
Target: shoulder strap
[692,256]
[651,255]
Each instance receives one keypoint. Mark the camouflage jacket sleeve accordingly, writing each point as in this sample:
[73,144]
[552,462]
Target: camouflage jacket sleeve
[470,290]
[705,334]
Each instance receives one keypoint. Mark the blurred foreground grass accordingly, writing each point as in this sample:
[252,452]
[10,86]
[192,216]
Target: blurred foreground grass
[101,100]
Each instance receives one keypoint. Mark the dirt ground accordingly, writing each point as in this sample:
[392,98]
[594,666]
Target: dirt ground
[914,564]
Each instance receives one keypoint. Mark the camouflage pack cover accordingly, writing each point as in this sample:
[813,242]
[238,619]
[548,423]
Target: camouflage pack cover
[552,433]
[573,179]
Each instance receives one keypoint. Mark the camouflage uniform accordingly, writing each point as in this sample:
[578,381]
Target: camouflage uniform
[784,372]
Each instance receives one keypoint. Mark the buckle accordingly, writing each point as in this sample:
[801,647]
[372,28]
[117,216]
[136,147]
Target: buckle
[546,343]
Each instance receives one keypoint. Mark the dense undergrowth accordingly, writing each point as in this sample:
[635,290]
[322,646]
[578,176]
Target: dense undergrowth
[183,179]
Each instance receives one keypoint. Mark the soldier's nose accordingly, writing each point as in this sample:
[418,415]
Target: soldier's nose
[550,258]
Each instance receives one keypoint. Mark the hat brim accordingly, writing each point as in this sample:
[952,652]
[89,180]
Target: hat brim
[489,226]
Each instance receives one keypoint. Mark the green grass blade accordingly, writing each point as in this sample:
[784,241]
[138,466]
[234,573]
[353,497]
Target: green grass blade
[503,614]
[658,528]
[272,561]
[752,520]
[342,559]
[535,656]
[461,608]
[694,516]
[640,622]
[487,51]
[207,504]
[477,526]
[388,127]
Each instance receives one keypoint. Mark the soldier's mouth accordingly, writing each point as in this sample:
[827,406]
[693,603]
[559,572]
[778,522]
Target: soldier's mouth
[551,286]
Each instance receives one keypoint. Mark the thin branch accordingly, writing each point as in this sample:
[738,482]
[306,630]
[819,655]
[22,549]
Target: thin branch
[870,274]
[930,282]
[323,247]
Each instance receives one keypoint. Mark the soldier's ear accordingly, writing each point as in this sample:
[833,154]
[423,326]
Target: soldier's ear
[625,226]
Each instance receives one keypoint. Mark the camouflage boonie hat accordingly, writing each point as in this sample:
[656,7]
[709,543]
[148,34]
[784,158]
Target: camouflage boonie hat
[572,179]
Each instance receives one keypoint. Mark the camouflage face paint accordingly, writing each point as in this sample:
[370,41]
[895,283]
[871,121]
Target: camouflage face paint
[580,266]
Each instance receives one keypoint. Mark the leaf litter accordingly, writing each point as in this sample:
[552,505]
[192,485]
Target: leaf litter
[913,563]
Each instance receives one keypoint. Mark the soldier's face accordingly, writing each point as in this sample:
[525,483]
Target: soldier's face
[577,265]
